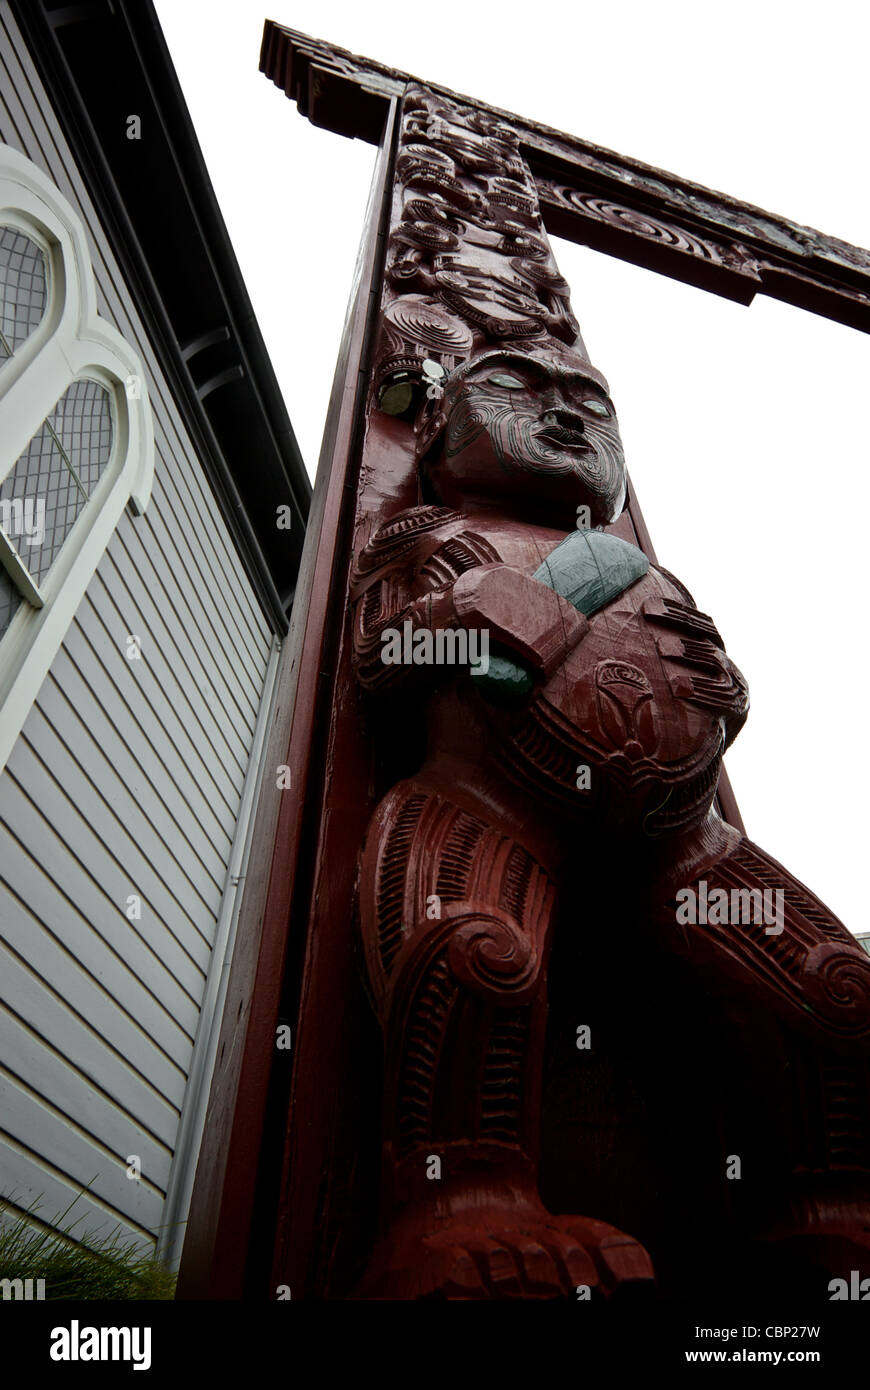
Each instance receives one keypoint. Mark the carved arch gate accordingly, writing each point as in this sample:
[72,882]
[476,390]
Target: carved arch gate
[455,264]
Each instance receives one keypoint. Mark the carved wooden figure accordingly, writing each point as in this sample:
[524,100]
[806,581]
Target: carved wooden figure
[577,706]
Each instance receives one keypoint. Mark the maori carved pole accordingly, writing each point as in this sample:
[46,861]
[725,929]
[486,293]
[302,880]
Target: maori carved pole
[574,706]
[559,1029]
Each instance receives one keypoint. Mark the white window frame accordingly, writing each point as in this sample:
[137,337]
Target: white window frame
[71,342]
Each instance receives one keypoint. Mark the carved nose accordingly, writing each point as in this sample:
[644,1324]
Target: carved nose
[564,419]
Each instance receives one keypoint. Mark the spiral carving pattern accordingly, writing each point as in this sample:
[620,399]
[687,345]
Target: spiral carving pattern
[428,325]
[493,957]
[839,986]
[638,223]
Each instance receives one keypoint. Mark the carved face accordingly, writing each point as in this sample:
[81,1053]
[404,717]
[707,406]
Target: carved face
[522,429]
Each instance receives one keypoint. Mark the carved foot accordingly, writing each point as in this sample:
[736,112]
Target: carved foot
[826,1237]
[501,1252]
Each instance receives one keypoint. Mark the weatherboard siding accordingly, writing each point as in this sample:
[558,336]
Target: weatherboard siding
[126,779]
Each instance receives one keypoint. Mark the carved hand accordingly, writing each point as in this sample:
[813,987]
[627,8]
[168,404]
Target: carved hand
[533,621]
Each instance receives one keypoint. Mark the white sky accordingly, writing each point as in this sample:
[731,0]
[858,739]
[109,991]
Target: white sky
[746,430]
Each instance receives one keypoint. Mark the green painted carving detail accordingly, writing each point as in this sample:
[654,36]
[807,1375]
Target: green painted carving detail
[589,568]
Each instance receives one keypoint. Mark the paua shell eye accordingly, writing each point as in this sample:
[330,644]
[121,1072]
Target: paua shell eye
[503,379]
[596,407]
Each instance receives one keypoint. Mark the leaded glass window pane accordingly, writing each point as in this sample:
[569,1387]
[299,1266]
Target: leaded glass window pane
[53,478]
[82,420]
[23,289]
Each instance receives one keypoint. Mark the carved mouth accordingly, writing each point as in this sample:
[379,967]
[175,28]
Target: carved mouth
[564,438]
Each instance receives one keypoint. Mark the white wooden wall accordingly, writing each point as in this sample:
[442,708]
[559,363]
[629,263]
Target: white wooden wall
[126,779]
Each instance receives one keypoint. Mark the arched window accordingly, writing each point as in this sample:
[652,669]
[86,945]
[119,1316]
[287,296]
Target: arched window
[76,440]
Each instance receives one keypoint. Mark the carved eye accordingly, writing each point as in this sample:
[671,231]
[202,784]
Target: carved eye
[503,379]
[596,407]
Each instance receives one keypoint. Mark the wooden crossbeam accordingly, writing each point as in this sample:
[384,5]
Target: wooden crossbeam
[600,199]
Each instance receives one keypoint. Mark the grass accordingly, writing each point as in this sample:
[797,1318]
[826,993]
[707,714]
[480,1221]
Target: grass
[83,1266]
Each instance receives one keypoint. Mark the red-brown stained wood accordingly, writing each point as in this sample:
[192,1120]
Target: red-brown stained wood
[557,1023]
